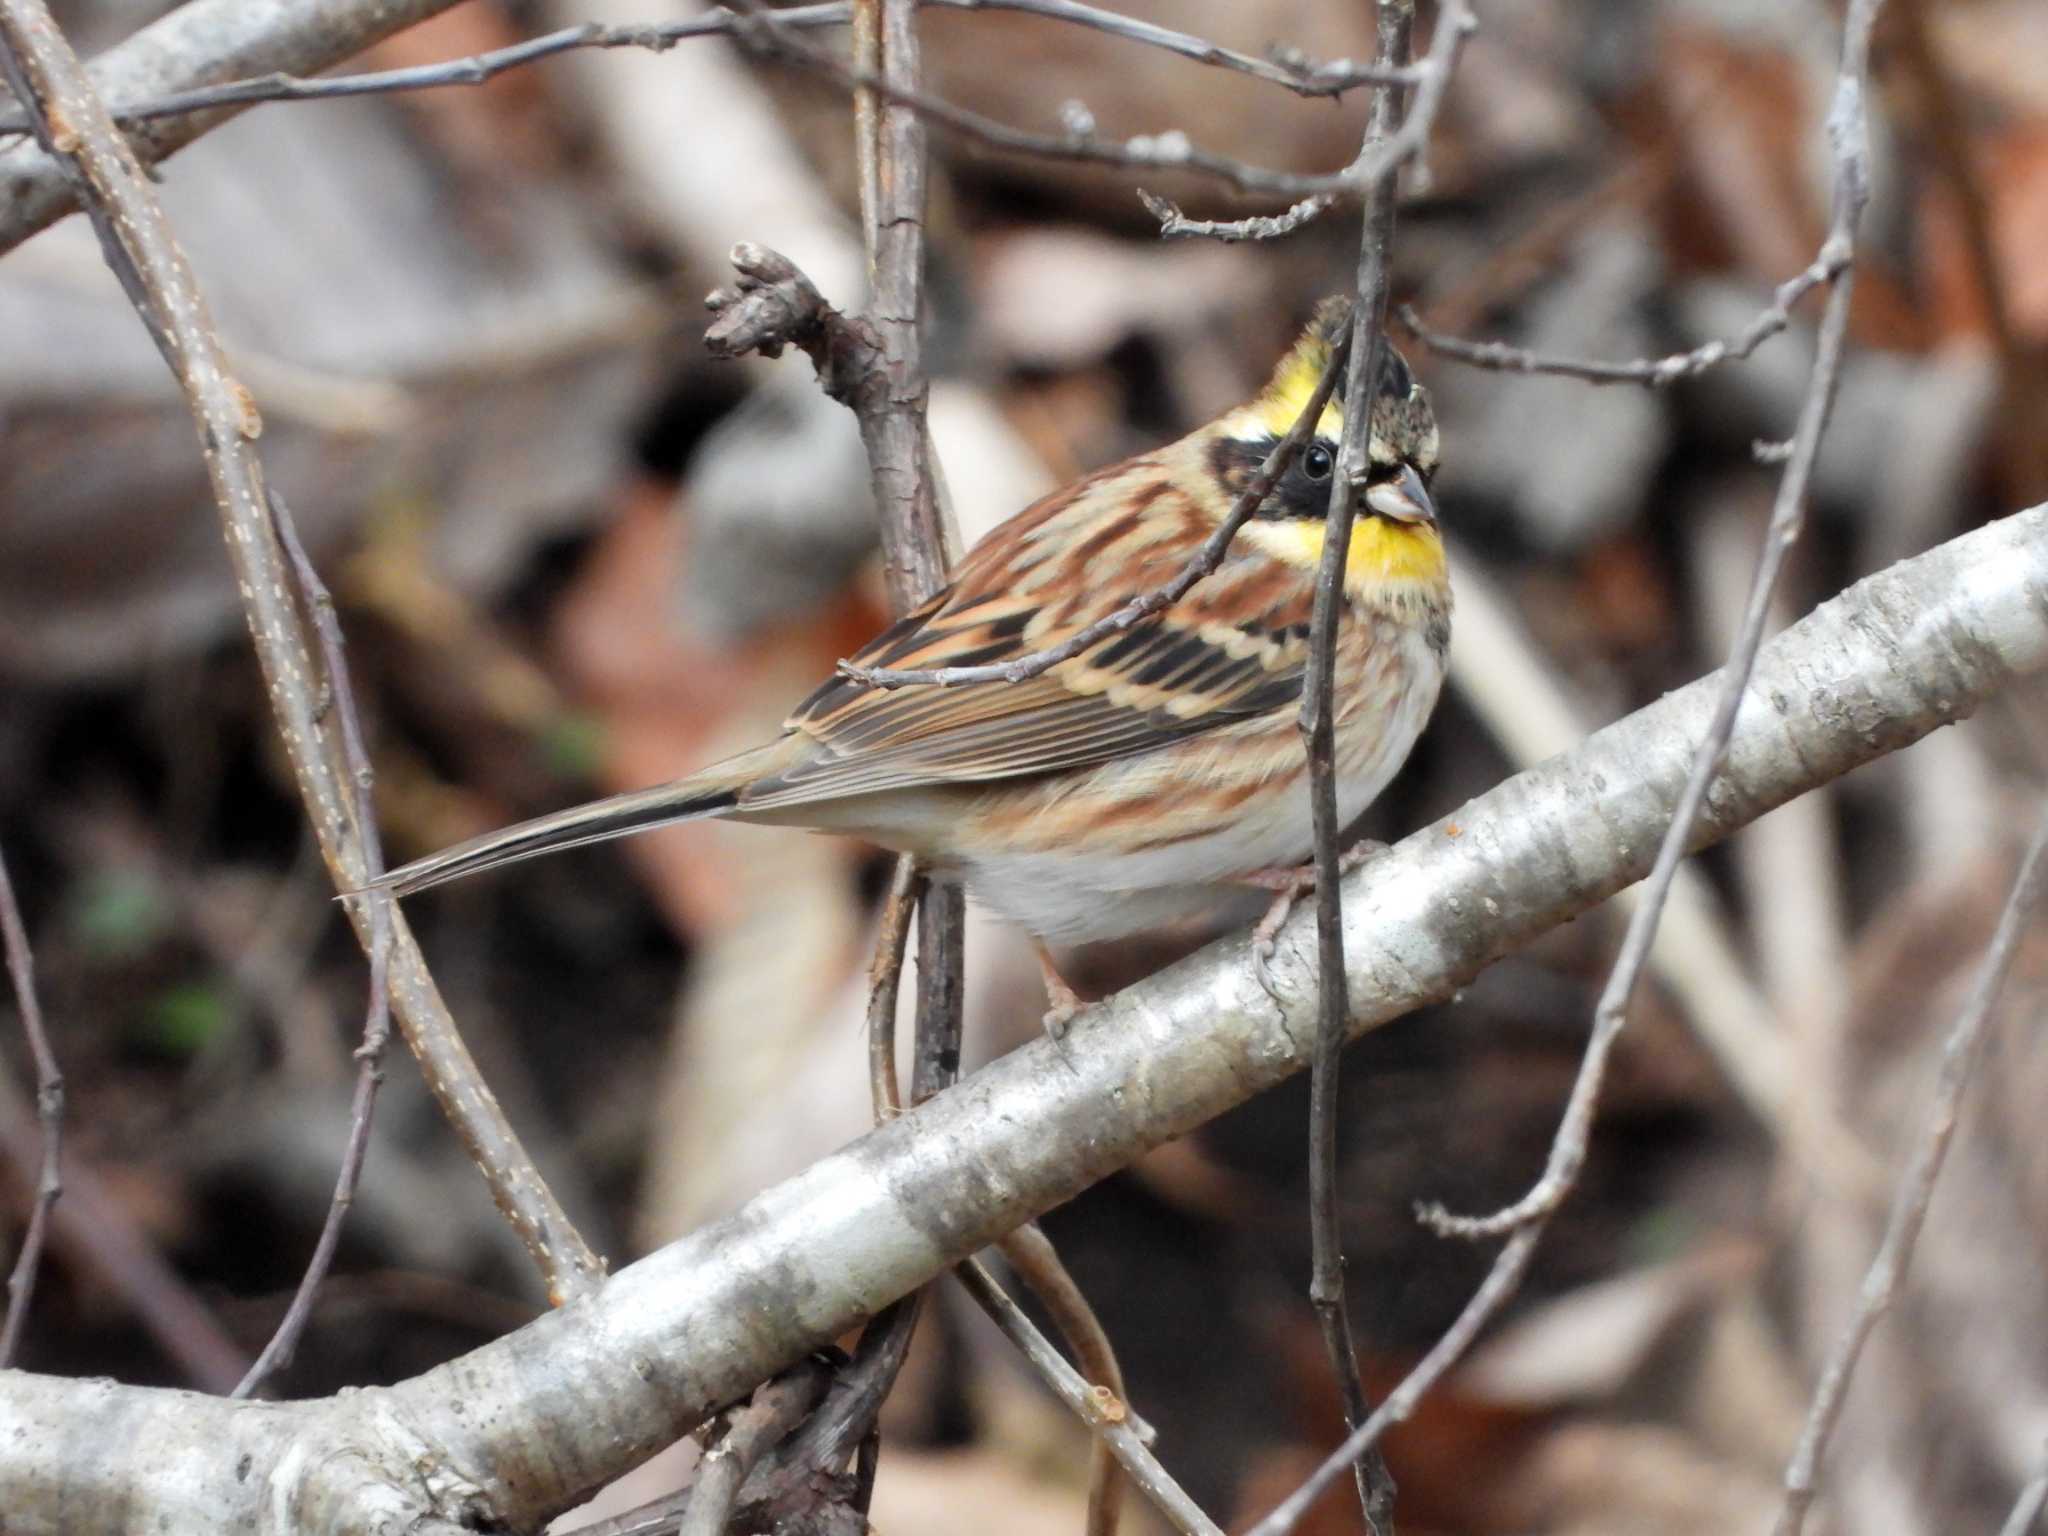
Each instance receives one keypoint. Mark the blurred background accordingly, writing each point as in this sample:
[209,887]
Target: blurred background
[574,555]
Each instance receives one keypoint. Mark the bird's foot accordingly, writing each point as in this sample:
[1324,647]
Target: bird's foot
[1064,1002]
[1289,886]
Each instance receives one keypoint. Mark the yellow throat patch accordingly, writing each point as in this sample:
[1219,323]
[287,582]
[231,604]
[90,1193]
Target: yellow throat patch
[1383,554]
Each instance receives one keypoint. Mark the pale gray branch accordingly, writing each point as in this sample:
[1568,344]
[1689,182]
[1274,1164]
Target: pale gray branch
[202,43]
[518,1430]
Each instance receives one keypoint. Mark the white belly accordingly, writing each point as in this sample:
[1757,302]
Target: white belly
[1077,896]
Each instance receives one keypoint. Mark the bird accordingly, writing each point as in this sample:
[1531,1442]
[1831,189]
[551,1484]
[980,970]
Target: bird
[1140,782]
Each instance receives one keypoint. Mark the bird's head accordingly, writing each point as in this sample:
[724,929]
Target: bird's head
[1395,537]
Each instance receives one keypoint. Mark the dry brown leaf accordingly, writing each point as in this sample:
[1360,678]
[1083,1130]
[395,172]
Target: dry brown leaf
[1625,1480]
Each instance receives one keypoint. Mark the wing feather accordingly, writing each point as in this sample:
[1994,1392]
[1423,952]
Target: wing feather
[1228,652]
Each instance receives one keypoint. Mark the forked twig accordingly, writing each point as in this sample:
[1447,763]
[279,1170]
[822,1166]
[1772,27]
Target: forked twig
[1847,132]
[1651,372]
[776,1407]
[1037,1263]
[1105,1414]
[284,1343]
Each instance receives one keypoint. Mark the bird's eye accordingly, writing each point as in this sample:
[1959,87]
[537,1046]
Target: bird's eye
[1317,463]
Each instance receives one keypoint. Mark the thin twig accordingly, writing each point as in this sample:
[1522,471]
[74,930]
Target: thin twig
[1652,372]
[776,1408]
[1500,1283]
[21,971]
[1102,1413]
[1396,22]
[874,365]
[474,69]
[1916,1188]
[1175,225]
[1525,1221]
[319,602]
[1037,1263]
[99,1237]
[885,983]
[1203,563]
[816,1453]
[72,125]
[1028,1249]
[1169,151]
[1304,78]
[1846,131]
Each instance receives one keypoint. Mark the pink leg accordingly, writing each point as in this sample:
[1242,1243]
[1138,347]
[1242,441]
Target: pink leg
[1289,886]
[1064,1001]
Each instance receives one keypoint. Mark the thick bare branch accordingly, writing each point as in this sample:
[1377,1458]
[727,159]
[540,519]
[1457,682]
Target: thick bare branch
[197,44]
[520,1429]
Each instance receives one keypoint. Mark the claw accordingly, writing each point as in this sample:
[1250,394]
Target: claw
[1289,886]
[1262,956]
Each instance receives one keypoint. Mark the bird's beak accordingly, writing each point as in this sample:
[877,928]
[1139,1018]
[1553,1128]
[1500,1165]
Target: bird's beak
[1404,498]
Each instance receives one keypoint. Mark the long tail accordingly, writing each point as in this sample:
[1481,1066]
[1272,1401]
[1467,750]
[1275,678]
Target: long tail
[706,794]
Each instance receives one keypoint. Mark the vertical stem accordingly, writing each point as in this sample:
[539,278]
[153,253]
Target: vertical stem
[915,553]
[885,981]
[915,549]
[21,969]
[1396,20]
[867,121]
